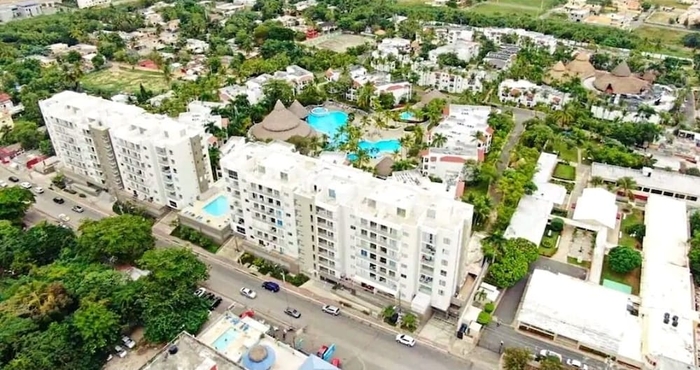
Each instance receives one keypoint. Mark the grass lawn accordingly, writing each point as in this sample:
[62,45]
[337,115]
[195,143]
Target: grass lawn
[503,8]
[632,278]
[564,172]
[669,3]
[548,240]
[670,40]
[633,218]
[125,80]
[479,188]
[535,4]
[574,261]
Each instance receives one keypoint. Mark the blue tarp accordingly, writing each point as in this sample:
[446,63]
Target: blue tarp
[315,363]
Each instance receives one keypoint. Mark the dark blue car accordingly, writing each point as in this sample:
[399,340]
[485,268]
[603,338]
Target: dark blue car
[271,286]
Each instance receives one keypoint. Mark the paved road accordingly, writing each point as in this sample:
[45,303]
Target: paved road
[360,347]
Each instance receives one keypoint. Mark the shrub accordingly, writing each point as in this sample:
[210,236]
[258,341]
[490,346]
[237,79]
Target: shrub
[556,224]
[246,258]
[195,237]
[128,208]
[484,318]
[409,128]
[489,307]
[547,243]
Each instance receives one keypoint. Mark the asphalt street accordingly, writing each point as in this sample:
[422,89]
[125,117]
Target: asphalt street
[360,347]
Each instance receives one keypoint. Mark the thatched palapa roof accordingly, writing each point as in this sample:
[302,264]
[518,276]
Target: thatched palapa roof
[384,167]
[298,109]
[620,81]
[580,68]
[281,124]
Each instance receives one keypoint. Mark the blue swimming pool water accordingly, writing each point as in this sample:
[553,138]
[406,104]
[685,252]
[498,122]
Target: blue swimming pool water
[407,116]
[217,207]
[329,122]
[228,337]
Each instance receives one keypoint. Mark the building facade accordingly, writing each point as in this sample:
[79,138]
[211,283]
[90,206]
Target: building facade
[120,147]
[344,225]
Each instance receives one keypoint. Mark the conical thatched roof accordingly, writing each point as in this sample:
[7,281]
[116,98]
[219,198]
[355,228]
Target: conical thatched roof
[620,81]
[622,70]
[581,67]
[559,67]
[384,167]
[298,109]
[281,124]
[557,73]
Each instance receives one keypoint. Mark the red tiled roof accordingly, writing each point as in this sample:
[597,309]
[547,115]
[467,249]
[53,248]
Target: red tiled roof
[394,87]
[452,159]
[489,130]
[5,97]
[424,152]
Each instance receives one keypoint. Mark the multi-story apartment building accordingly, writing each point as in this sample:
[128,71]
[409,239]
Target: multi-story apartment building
[451,80]
[253,88]
[465,134]
[449,34]
[343,224]
[528,94]
[122,148]
[382,85]
[496,35]
[464,50]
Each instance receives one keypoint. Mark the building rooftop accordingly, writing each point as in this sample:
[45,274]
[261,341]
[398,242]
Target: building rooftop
[188,353]
[598,205]
[593,315]
[655,179]
[554,193]
[666,286]
[459,128]
[530,219]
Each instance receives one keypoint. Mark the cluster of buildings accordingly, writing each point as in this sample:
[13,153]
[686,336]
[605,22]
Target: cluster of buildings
[296,76]
[382,82]
[21,9]
[527,94]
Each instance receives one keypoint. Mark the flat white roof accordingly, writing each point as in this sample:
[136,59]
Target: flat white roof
[591,314]
[659,179]
[597,204]
[666,286]
[530,219]
[554,193]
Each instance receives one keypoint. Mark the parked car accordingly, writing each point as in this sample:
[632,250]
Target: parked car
[292,312]
[336,362]
[121,352]
[26,185]
[576,364]
[3,184]
[77,209]
[332,310]
[59,200]
[546,353]
[13,179]
[70,191]
[200,292]
[271,286]
[215,303]
[63,217]
[248,293]
[321,351]
[128,342]
[39,190]
[406,340]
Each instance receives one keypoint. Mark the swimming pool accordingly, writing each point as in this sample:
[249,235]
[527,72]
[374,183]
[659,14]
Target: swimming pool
[223,341]
[407,116]
[217,207]
[329,122]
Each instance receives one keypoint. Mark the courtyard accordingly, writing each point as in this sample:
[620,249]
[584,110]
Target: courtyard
[121,79]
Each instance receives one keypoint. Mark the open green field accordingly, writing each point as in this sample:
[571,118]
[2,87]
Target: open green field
[490,8]
[664,41]
[125,80]
[669,3]
[535,4]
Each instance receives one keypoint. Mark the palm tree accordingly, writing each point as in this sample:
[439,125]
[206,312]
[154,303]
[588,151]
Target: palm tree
[365,96]
[627,185]
[482,207]
[438,140]
[596,181]
[362,158]
[478,136]
[167,72]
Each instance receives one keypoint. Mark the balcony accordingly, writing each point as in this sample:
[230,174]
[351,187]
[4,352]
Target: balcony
[165,169]
[163,160]
[427,250]
[427,271]
[427,260]
[168,179]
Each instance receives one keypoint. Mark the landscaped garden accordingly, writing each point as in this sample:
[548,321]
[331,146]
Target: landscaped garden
[631,227]
[278,272]
[620,268]
[564,172]
[548,245]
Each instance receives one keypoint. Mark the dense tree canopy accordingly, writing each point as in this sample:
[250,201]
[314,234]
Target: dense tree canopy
[622,259]
[122,238]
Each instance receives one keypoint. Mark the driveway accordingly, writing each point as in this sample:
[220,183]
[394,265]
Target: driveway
[508,306]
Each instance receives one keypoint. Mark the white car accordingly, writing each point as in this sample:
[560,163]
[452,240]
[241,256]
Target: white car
[128,342]
[547,353]
[39,190]
[3,184]
[248,293]
[121,352]
[199,292]
[63,217]
[26,185]
[332,310]
[406,340]
[576,364]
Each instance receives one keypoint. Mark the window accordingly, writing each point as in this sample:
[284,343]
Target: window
[404,266]
[363,253]
[444,262]
[443,273]
[331,193]
[441,292]
[446,252]
[401,212]
[443,283]
[403,276]
[284,176]
[446,240]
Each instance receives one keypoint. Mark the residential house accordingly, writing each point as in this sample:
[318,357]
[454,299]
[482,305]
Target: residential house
[83,4]
[464,50]
[298,77]
[20,9]
[496,35]
[464,134]
[528,94]
[197,46]
[7,105]
[382,84]
[449,34]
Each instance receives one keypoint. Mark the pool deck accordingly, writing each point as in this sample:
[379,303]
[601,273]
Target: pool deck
[197,213]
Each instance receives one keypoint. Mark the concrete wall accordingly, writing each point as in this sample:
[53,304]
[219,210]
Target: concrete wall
[219,236]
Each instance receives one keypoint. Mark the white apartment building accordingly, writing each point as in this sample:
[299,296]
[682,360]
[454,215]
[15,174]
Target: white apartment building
[390,54]
[388,46]
[449,34]
[343,224]
[464,50]
[467,137]
[82,4]
[451,80]
[120,147]
[355,72]
[528,94]
[382,85]
[548,42]
[253,88]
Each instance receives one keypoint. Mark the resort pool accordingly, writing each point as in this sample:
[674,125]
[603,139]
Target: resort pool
[407,116]
[228,337]
[217,207]
[327,122]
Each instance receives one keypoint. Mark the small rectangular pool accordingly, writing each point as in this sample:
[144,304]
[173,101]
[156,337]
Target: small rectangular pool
[217,207]
[223,341]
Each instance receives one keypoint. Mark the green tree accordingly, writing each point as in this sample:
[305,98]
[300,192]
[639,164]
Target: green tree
[14,203]
[275,90]
[622,259]
[42,244]
[515,358]
[97,325]
[551,363]
[409,322]
[174,267]
[627,185]
[123,238]
[557,224]
[694,258]
[165,314]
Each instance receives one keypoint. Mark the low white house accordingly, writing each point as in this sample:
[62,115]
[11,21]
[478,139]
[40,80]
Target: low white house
[528,94]
[464,50]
